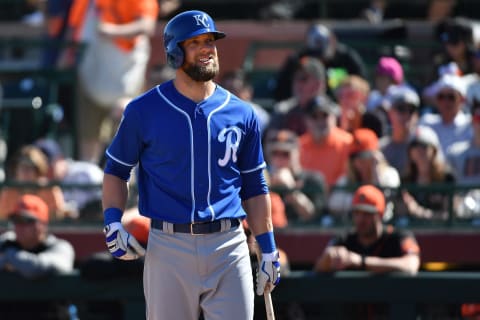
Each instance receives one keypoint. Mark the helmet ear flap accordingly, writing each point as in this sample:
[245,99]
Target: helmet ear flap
[175,57]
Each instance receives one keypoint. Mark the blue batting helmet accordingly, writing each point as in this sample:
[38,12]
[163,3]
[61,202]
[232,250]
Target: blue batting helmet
[183,26]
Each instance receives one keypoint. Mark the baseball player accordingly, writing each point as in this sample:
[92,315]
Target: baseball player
[200,170]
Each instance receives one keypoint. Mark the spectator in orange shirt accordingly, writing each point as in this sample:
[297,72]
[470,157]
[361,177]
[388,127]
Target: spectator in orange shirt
[112,69]
[324,147]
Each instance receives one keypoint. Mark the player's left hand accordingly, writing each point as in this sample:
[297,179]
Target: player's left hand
[121,244]
[268,273]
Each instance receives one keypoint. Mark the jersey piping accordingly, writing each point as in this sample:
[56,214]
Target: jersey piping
[192,163]
[210,154]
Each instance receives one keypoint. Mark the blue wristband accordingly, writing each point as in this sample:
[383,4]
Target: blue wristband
[266,242]
[112,215]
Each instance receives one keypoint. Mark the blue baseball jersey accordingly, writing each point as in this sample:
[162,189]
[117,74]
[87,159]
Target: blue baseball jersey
[193,158]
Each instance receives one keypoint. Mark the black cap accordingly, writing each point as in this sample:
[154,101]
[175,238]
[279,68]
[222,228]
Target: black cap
[323,104]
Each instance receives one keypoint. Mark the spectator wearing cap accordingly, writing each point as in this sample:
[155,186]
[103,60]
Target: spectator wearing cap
[304,192]
[324,147]
[370,246]
[352,94]
[366,165]
[456,38]
[30,250]
[426,166]
[322,44]
[451,123]
[28,173]
[308,82]
[429,91]
[402,110]
[388,73]
[81,180]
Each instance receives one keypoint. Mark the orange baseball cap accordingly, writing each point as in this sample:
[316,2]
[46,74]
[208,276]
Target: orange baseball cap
[364,140]
[369,198]
[30,207]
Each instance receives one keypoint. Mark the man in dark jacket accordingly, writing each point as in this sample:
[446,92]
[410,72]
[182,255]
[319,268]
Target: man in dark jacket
[339,60]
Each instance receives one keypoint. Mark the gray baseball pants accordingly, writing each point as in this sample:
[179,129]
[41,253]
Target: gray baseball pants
[185,274]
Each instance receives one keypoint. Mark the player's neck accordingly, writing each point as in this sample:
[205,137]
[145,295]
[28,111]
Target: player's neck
[194,90]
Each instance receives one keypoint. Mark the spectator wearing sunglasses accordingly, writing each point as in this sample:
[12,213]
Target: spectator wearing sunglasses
[450,123]
[303,191]
[402,109]
[324,147]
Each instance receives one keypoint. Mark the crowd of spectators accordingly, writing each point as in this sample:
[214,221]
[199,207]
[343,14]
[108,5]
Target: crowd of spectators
[343,127]
[340,147]
[409,141]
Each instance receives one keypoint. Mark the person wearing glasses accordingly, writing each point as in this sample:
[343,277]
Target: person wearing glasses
[402,110]
[304,192]
[451,123]
[324,147]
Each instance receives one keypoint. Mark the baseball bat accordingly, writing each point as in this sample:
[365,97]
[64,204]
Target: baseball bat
[266,295]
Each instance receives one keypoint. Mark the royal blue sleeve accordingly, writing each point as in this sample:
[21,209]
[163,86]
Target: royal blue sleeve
[252,162]
[117,169]
[253,184]
[127,143]
[251,155]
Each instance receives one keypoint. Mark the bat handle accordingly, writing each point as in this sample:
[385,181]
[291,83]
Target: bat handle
[268,306]
[266,295]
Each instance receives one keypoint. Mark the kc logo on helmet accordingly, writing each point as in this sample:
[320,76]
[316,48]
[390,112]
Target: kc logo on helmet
[202,19]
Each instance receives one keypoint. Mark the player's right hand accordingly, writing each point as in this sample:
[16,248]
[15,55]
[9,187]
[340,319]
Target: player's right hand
[121,244]
[268,273]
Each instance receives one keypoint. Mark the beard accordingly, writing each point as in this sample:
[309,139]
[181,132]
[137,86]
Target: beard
[201,73]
